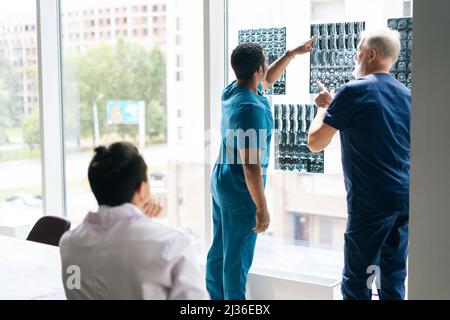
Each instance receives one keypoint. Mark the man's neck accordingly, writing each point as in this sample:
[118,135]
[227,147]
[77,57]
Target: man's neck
[251,85]
[379,68]
[380,71]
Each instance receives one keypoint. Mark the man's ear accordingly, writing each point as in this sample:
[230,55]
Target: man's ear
[373,54]
[257,73]
[260,72]
[139,188]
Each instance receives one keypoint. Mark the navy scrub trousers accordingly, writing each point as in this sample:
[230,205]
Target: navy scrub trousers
[375,245]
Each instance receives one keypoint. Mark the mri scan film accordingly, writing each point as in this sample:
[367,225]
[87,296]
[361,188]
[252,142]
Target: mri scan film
[273,40]
[292,122]
[402,70]
[332,60]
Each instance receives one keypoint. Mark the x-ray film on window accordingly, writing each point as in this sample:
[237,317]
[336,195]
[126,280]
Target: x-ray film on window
[332,60]
[292,122]
[273,41]
[402,70]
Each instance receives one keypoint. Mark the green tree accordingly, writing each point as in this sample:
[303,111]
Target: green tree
[30,129]
[5,117]
[71,100]
[9,100]
[156,96]
[126,71]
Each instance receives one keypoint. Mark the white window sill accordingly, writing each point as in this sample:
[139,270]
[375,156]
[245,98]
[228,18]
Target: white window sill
[290,272]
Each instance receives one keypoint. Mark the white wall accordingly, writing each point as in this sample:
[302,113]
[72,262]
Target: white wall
[429,261]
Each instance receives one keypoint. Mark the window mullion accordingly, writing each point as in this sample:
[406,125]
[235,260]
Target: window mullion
[51,111]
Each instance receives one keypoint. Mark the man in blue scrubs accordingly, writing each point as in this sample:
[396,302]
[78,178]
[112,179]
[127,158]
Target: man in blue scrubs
[372,114]
[239,176]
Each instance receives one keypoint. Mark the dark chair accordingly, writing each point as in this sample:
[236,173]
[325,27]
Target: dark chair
[49,230]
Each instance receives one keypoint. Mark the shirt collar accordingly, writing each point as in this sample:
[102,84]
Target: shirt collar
[112,215]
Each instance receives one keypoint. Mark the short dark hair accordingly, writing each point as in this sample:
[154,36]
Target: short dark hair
[246,60]
[115,173]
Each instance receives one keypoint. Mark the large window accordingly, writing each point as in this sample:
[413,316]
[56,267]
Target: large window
[122,81]
[20,166]
[133,70]
[308,210]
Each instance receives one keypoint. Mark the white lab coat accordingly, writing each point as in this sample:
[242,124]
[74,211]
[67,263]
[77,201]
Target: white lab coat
[123,254]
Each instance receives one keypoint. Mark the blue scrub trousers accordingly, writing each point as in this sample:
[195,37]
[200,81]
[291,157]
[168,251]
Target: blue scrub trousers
[231,253]
[375,240]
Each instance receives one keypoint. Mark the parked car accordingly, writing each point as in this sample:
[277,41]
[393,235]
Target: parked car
[24,200]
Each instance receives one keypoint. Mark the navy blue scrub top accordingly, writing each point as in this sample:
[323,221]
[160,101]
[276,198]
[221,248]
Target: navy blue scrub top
[373,116]
[247,123]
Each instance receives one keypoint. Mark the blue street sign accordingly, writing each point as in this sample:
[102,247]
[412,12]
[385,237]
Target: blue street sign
[123,112]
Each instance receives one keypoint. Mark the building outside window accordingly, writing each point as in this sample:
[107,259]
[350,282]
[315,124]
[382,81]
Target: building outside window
[20,165]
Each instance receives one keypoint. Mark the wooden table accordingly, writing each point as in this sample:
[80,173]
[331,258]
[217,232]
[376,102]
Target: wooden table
[29,271]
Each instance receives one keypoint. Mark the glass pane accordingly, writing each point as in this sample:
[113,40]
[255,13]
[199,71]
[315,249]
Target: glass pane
[121,53]
[20,165]
[308,211]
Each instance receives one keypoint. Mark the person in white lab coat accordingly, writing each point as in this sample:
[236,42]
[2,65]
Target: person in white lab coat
[121,252]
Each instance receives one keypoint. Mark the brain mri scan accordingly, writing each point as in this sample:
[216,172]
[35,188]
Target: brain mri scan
[402,70]
[273,41]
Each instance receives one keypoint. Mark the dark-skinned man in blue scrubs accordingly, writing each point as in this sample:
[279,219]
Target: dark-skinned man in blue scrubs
[239,176]
[372,114]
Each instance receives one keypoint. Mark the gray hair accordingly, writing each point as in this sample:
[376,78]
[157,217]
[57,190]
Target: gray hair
[386,41]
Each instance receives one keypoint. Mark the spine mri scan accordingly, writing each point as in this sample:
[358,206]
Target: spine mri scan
[292,122]
[332,60]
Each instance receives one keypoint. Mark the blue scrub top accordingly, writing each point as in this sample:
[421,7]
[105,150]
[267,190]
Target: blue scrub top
[373,116]
[247,123]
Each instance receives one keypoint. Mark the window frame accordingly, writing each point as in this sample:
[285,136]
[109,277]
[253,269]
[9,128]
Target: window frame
[50,107]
